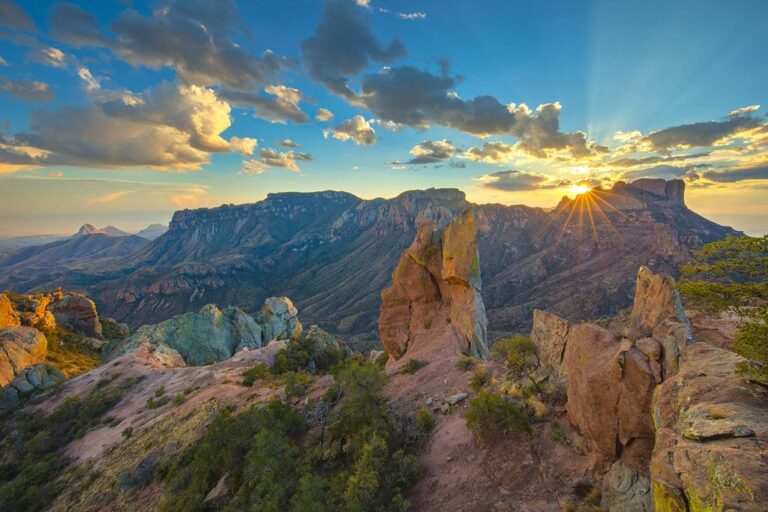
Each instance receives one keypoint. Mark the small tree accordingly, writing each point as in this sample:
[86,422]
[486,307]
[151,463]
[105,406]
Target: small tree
[732,274]
[519,355]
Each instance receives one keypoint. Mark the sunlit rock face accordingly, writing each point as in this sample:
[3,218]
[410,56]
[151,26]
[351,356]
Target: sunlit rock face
[434,301]
[20,347]
[212,334]
[8,317]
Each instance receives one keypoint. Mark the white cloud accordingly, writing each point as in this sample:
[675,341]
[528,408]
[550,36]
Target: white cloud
[356,129]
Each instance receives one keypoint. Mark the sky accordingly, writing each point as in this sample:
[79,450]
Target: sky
[121,112]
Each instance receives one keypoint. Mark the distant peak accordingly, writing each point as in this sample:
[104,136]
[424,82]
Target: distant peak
[90,229]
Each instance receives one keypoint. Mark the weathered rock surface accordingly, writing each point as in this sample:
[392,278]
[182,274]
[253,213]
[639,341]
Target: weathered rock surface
[711,449]
[20,347]
[78,312]
[658,312]
[8,317]
[32,378]
[212,334]
[435,293]
[279,319]
[550,334]
[626,490]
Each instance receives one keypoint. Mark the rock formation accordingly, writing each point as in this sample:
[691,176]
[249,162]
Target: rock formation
[711,437]
[8,317]
[78,313]
[19,348]
[435,293]
[31,379]
[212,334]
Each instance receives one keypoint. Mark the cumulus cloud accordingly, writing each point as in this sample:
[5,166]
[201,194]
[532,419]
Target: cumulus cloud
[323,115]
[13,16]
[269,158]
[343,45]
[430,152]
[48,56]
[193,37]
[702,134]
[27,89]
[356,129]
[283,106]
[513,181]
[288,143]
[172,127]
[491,153]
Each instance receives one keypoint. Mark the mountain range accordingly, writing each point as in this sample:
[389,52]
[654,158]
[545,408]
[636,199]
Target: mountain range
[333,253]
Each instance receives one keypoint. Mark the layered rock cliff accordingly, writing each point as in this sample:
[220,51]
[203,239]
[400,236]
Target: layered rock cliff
[435,296]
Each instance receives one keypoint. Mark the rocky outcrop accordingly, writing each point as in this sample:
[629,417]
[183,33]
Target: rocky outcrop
[550,334]
[8,317]
[20,347]
[212,334]
[78,313]
[33,378]
[712,429]
[435,293]
[279,319]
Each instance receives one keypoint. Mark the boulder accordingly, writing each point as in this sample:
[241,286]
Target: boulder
[434,300]
[8,317]
[20,347]
[198,338]
[78,312]
[33,378]
[550,333]
[712,430]
[279,319]
[626,489]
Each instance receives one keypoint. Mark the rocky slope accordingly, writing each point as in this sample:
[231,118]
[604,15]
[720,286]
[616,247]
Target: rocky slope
[333,253]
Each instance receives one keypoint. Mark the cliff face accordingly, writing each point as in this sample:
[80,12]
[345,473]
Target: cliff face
[333,253]
[435,300]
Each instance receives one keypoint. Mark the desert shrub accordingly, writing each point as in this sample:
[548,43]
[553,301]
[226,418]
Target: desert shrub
[412,366]
[465,364]
[179,399]
[490,417]
[556,433]
[274,465]
[296,384]
[424,420]
[28,481]
[732,274]
[382,359]
[127,432]
[518,354]
[306,354]
[479,379]
[259,371]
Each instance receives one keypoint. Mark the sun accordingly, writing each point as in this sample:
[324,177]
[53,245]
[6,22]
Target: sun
[578,189]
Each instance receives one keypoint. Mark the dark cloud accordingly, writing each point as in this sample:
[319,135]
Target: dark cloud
[418,98]
[513,181]
[13,16]
[343,45]
[193,37]
[757,172]
[703,134]
[356,129]
[27,89]
[280,108]
[430,152]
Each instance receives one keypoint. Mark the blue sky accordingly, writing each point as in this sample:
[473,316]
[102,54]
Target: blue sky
[119,112]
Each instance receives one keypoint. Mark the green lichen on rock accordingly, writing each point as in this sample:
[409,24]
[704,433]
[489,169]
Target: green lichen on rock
[667,499]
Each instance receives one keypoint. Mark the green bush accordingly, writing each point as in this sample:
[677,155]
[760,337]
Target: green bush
[273,465]
[465,363]
[296,384]
[491,417]
[412,366]
[127,432]
[519,355]
[258,372]
[424,420]
[479,379]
